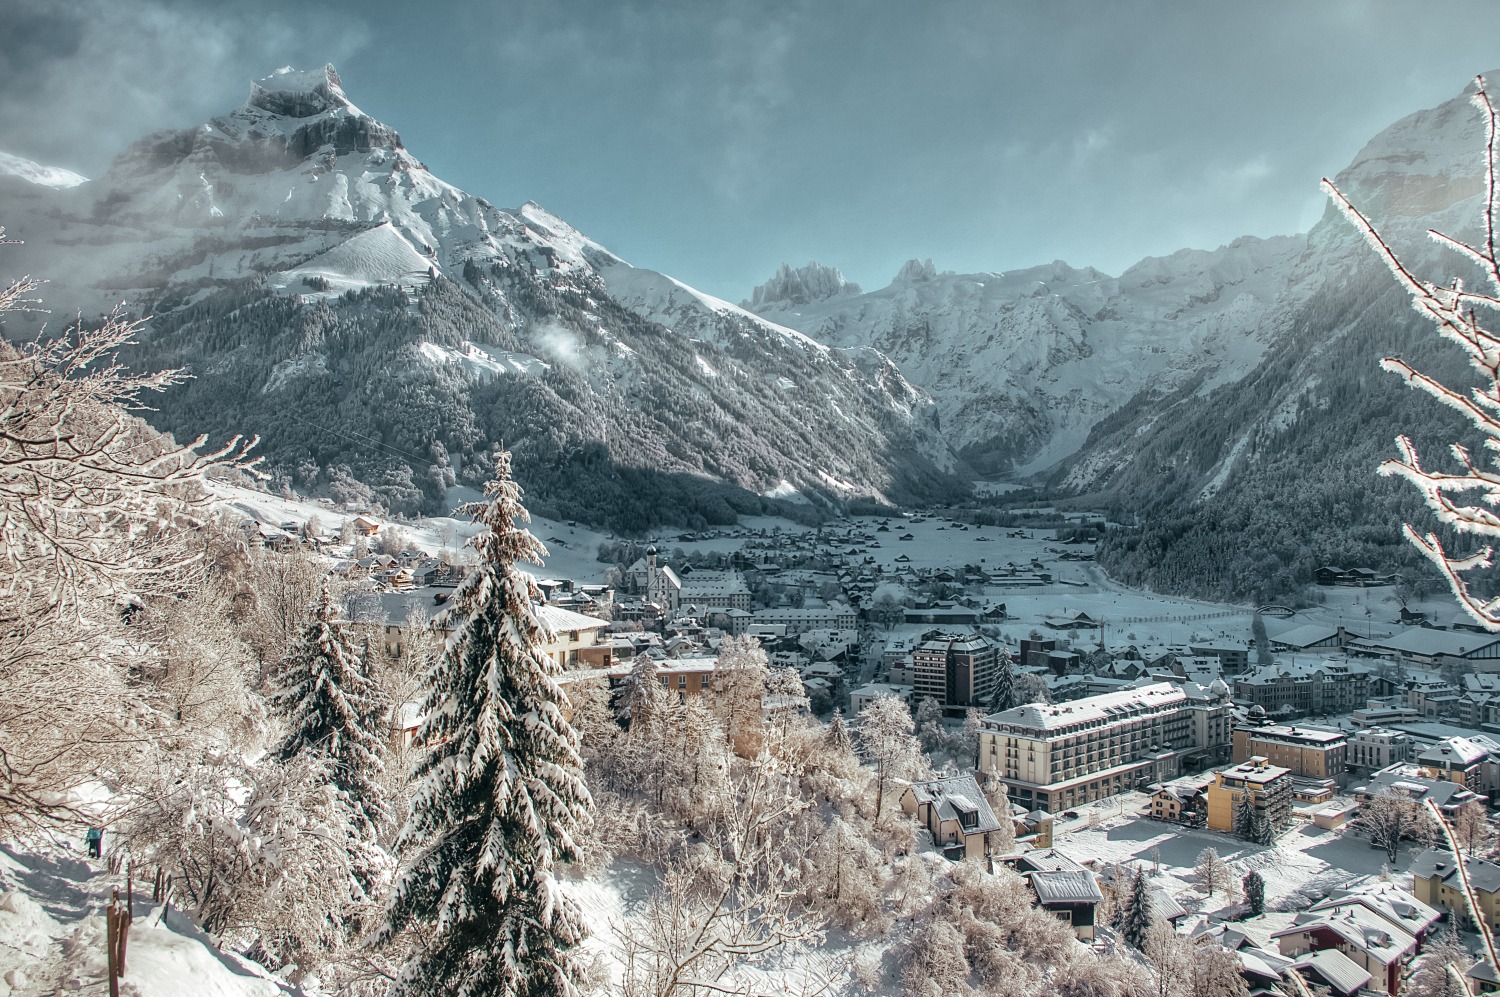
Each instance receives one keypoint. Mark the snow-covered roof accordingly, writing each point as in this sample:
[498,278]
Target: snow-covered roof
[1420,640]
[1109,706]
[558,619]
[955,794]
[1455,751]
[1340,972]
[1309,635]
[1065,886]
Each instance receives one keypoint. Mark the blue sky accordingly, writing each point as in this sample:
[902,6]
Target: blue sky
[713,141]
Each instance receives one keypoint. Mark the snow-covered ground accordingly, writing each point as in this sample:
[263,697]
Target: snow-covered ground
[1301,867]
[1131,617]
[52,935]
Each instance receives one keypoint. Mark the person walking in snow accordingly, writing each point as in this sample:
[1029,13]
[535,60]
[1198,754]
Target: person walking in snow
[95,839]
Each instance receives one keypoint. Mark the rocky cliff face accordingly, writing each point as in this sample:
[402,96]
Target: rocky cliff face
[1244,490]
[813,282]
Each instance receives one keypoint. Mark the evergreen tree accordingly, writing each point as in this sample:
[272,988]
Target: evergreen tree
[1244,818]
[501,796]
[1262,641]
[1255,892]
[334,709]
[837,737]
[1135,917]
[1005,684]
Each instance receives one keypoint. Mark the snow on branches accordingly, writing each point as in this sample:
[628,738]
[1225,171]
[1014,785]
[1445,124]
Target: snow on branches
[501,797]
[90,498]
[1455,310]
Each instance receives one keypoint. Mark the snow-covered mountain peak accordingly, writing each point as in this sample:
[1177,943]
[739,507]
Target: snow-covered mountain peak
[296,93]
[915,271]
[42,176]
[813,282]
[1427,161]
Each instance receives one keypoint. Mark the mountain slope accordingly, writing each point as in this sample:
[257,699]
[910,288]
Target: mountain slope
[1243,492]
[1022,364]
[383,331]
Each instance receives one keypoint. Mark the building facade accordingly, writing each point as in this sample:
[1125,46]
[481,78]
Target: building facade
[1309,752]
[1056,756]
[1373,748]
[1305,688]
[1267,787]
[957,670]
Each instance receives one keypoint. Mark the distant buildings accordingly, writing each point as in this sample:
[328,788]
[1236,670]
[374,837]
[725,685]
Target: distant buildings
[1305,688]
[1307,751]
[1372,748]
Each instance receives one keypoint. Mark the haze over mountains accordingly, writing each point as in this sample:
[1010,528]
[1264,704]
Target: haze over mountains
[382,329]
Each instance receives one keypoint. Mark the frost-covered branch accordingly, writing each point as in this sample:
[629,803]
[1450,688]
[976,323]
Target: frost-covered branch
[1455,311]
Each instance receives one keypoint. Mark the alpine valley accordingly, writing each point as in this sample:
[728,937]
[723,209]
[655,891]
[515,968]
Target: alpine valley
[382,331]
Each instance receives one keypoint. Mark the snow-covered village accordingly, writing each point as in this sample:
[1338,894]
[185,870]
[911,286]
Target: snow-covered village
[405,595]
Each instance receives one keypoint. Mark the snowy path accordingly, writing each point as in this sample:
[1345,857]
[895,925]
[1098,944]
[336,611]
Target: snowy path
[52,936]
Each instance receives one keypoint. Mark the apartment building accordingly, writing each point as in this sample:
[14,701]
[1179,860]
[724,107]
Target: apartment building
[1435,881]
[1305,688]
[957,670]
[1056,756]
[1267,787]
[834,616]
[1309,752]
[1374,748]
[706,590]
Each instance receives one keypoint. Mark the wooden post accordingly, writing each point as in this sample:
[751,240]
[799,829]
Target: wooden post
[117,918]
[111,949]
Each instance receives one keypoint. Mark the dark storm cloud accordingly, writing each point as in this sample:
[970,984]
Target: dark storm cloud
[714,140]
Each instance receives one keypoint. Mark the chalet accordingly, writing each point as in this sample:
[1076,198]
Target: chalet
[1063,888]
[955,813]
[1179,803]
[364,527]
[1360,577]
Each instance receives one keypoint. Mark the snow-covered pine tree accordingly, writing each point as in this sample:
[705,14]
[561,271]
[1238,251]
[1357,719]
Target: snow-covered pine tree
[838,733]
[1135,914]
[1244,819]
[335,709]
[1005,683]
[1255,892]
[501,797]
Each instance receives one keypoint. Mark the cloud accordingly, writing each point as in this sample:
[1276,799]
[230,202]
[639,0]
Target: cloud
[86,78]
[559,344]
[751,86]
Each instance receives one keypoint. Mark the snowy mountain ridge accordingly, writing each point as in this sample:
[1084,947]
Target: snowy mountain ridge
[1023,364]
[294,249]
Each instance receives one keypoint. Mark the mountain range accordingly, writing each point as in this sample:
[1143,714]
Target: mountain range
[383,330]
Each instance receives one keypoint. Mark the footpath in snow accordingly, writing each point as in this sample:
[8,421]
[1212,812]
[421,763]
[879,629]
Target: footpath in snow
[52,935]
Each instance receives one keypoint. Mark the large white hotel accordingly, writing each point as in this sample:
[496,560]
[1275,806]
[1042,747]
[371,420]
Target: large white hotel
[1056,756]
